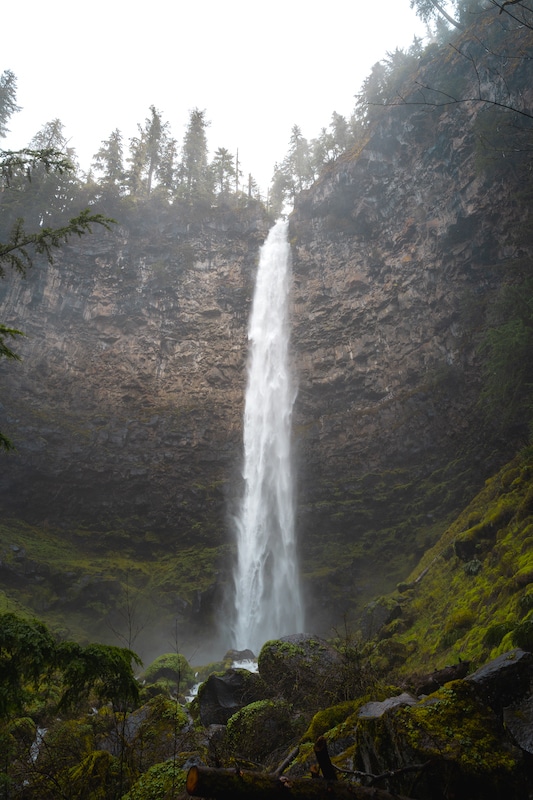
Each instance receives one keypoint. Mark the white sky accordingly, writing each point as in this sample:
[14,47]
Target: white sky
[256,68]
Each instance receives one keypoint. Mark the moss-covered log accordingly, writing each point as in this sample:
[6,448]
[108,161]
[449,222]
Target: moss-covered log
[231,784]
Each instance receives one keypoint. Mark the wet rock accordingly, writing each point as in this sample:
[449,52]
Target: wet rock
[302,668]
[239,655]
[504,680]
[375,709]
[454,744]
[222,695]
[518,719]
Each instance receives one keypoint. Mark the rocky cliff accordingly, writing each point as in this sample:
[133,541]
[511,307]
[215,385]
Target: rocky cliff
[127,403]
[126,409]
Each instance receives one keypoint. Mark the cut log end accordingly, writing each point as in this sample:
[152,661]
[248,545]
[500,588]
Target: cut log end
[192,780]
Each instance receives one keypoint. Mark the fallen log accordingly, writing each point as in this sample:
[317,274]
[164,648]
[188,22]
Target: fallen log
[236,784]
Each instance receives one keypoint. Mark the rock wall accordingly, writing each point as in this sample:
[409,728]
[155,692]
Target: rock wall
[126,407]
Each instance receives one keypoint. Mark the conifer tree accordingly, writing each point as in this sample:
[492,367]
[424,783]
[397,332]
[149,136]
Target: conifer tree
[109,160]
[146,154]
[223,167]
[8,94]
[194,168]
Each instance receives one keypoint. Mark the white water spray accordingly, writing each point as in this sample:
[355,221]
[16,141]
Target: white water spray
[267,589]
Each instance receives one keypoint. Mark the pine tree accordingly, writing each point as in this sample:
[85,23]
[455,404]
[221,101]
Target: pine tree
[8,94]
[223,168]
[146,153]
[109,160]
[194,169]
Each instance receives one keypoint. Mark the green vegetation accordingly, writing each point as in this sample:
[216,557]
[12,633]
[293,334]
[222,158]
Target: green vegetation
[449,610]
[105,584]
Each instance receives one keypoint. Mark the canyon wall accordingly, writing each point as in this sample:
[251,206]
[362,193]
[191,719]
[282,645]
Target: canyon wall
[126,408]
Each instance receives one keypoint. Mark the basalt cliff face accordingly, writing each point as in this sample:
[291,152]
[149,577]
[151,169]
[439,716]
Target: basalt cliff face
[126,409]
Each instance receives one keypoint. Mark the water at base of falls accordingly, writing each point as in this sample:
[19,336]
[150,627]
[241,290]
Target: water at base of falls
[267,589]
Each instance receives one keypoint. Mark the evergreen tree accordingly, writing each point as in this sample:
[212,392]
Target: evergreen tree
[279,190]
[194,170]
[455,12]
[341,133]
[223,167]
[298,161]
[109,161]
[167,168]
[8,94]
[45,199]
[146,154]
[323,150]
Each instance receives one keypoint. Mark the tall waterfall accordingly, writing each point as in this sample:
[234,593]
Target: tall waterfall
[267,589]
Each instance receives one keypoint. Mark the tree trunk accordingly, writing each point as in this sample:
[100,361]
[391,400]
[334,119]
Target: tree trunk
[232,784]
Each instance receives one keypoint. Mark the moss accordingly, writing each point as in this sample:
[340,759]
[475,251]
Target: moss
[171,667]
[258,729]
[159,782]
[450,614]
[522,636]
[327,719]
[453,724]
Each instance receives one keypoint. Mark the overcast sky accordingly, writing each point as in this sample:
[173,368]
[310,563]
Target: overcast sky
[256,68]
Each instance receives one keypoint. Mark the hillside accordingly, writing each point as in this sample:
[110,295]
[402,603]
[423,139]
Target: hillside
[480,572]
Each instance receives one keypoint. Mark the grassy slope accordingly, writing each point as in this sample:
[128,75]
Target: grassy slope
[90,584]
[471,595]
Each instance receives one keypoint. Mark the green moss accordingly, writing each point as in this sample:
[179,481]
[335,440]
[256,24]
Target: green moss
[453,724]
[258,729]
[159,782]
[327,719]
[522,636]
[171,667]
[454,613]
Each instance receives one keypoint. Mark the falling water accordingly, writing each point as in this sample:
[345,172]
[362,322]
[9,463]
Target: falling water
[267,590]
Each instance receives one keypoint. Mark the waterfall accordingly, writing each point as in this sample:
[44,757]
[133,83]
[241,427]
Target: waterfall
[267,588]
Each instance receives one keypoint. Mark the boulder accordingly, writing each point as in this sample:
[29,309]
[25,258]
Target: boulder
[449,744]
[505,679]
[375,709]
[223,694]
[303,669]
[518,719]
[259,729]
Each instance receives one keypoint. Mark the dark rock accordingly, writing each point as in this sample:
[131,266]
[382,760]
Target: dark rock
[260,728]
[518,719]
[239,655]
[504,680]
[222,695]
[378,614]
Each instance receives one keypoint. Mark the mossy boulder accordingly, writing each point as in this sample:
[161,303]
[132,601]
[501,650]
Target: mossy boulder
[156,731]
[225,693]
[259,729]
[159,781]
[459,742]
[328,718]
[171,671]
[303,669]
